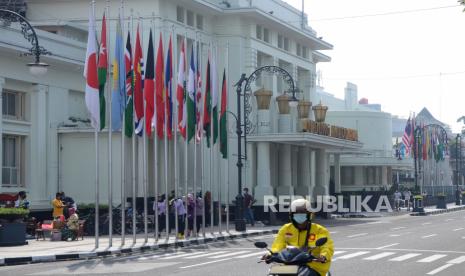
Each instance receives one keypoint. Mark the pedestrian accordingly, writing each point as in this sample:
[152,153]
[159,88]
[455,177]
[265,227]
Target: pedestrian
[178,204]
[21,202]
[160,204]
[70,205]
[190,214]
[207,205]
[248,202]
[199,212]
[407,195]
[397,199]
[58,206]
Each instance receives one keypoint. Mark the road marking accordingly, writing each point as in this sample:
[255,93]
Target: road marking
[394,235]
[439,269]
[389,245]
[334,232]
[357,235]
[449,219]
[379,256]
[211,262]
[250,255]
[431,258]
[229,254]
[398,228]
[206,255]
[405,257]
[458,229]
[338,252]
[174,256]
[356,254]
[429,236]
[458,260]
[426,223]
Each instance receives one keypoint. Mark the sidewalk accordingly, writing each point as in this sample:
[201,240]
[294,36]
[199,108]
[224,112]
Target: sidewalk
[451,207]
[48,251]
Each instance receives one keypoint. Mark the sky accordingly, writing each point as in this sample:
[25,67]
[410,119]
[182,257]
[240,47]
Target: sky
[405,60]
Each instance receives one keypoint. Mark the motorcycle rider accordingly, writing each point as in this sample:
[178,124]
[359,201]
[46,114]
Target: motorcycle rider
[302,233]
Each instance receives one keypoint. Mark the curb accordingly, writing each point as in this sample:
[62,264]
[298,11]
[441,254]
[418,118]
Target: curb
[126,251]
[436,212]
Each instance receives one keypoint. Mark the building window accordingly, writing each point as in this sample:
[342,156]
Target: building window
[180,14]
[266,35]
[304,52]
[12,160]
[286,44]
[280,41]
[13,105]
[190,18]
[258,32]
[299,50]
[199,22]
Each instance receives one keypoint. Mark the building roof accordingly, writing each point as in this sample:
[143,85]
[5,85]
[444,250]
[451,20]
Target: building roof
[425,116]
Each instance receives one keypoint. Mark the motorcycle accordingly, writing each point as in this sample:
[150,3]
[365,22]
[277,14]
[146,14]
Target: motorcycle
[291,260]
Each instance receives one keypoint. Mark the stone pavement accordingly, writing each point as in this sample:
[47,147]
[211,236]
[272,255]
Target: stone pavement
[48,251]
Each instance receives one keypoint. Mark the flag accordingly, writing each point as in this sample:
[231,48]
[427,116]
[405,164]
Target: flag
[129,111]
[149,82]
[198,96]
[223,121]
[214,99]
[207,106]
[407,136]
[119,80]
[159,91]
[180,92]
[191,99]
[138,68]
[102,71]
[169,91]
[90,74]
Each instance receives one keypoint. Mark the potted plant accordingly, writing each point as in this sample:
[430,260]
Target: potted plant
[441,201]
[12,226]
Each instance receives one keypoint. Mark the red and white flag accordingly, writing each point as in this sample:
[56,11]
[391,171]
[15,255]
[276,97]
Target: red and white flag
[91,75]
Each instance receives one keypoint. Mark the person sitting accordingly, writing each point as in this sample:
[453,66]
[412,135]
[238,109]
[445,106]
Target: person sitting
[70,231]
[21,202]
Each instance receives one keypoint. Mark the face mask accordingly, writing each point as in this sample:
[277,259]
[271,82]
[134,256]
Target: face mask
[300,218]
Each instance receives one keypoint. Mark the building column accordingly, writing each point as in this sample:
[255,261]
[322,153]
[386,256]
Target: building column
[378,175]
[38,141]
[304,188]
[250,167]
[337,173]
[2,83]
[263,187]
[322,173]
[358,176]
[285,171]
[384,175]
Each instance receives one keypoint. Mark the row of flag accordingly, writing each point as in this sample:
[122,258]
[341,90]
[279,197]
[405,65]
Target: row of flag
[431,142]
[137,84]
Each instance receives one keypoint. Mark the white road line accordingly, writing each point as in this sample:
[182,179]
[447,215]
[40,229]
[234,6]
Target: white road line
[389,245]
[250,255]
[182,255]
[353,255]
[229,254]
[215,261]
[338,252]
[394,235]
[439,269]
[429,236]
[404,257]
[357,235]
[334,232]
[426,223]
[431,258]
[379,256]
[458,260]
[206,255]
[449,219]
[398,228]
[458,229]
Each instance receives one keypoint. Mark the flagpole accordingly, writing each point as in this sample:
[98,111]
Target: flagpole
[227,160]
[133,140]
[194,221]
[135,178]
[175,111]
[123,163]
[96,163]
[110,184]
[165,145]
[200,127]
[146,233]
[212,209]
[218,163]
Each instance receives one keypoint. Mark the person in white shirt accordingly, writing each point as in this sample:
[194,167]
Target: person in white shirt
[407,195]
[397,198]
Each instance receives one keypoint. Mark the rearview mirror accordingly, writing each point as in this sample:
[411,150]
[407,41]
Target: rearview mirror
[321,241]
[260,244]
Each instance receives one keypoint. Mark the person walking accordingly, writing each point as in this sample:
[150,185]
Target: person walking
[248,202]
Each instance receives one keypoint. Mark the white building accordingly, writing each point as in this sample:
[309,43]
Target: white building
[48,147]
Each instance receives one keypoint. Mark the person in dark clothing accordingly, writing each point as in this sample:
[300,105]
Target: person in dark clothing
[248,202]
[69,203]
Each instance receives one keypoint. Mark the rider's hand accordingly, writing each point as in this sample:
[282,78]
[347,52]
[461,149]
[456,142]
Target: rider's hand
[321,259]
[266,257]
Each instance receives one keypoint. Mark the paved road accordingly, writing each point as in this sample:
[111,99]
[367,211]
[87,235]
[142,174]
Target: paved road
[402,245]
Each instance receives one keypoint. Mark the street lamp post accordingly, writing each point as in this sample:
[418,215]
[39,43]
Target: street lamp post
[37,67]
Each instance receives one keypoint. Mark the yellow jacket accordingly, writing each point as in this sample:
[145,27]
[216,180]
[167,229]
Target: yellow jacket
[290,235]
[57,207]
